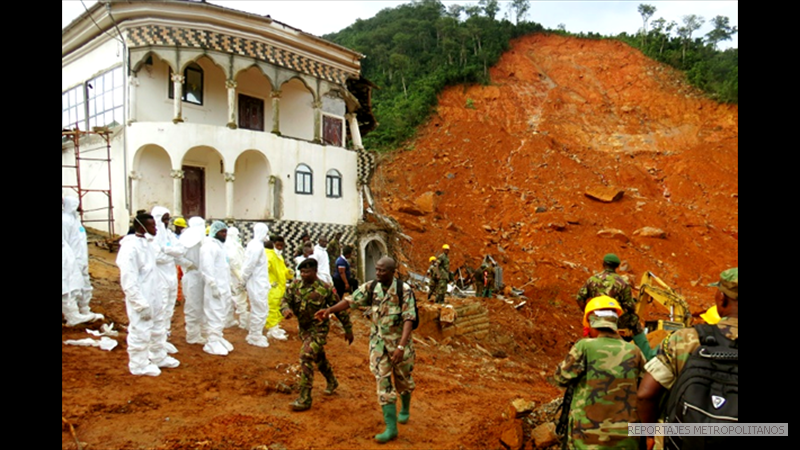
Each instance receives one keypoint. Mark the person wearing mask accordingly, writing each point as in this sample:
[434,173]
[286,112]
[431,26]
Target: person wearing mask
[235,252]
[169,253]
[144,290]
[255,277]
[217,292]
[74,234]
[321,255]
[192,282]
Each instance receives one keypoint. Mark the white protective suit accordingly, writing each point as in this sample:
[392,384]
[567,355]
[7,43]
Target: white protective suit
[71,283]
[255,275]
[144,290]
[170,252]
[323,266]
[235,252]
[217,293]
[192,281]
[75,235]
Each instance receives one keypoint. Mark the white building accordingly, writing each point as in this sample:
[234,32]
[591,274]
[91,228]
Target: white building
[213,112]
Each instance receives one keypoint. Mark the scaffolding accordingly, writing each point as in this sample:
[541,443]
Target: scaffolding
[75,135]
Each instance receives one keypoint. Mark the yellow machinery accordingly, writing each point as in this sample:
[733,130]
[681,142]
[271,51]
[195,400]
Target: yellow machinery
[653,289]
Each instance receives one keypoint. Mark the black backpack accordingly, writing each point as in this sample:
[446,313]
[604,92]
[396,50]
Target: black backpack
[371,295]
[706,391]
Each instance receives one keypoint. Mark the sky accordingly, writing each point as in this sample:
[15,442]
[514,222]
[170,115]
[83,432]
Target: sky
[598,16]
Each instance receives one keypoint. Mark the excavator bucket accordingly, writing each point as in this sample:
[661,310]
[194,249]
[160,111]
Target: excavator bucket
[674,308]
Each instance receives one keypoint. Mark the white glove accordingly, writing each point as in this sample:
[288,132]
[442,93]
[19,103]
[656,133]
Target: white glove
[146,313]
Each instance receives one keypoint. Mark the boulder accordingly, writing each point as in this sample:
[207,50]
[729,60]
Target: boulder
[512,437]
[612,233]
[544,435]
[426,202]
[651,232]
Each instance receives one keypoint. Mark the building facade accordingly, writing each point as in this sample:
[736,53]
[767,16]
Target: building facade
[216,113]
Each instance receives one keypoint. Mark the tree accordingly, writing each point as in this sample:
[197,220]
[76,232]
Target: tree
[646,12]
[691,23]
[722,31]
[520,8]
[490,7]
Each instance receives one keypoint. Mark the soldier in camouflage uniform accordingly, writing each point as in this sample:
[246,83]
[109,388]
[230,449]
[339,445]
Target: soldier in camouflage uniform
[391,351]
[609,283]
[444,274]
[605,370]
[674,350]
[433,276]
[334,249]
[304,298]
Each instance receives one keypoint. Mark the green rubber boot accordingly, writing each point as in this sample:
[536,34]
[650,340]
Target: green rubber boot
[303,402]
[402,417]
[390,417]
[333,383]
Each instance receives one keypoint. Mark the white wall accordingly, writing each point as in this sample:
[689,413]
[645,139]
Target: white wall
[155,188]
[253,83]
[252,191]
[99,60]
[297,110]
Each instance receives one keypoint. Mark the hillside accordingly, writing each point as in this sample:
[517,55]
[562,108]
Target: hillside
[503,169]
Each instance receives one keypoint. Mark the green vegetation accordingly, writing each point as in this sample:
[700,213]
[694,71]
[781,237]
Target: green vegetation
[415,50]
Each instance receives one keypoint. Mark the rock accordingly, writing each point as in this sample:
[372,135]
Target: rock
[447,315]
[605,194]
[411,210]
[521,407]
[512,436]
[541,209]
[453,227]
[544,435]
[612,233]
[558,226]
[426,202]
[651,232]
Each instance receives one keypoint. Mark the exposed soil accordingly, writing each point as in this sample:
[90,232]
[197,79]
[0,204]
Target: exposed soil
[563,115]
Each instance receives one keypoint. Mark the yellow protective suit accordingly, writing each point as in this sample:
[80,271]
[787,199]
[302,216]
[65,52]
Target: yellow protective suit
[278,274]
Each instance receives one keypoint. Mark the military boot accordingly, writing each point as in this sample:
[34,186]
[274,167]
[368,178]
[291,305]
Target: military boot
[402,417]
[303,402]
[333,383]
[390,417]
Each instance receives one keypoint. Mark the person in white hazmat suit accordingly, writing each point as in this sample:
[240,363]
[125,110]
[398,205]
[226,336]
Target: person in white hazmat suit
[192,282]
[73,232]
[145,291]
[255,276]
[71,283]
[170,252]
[235,252]
[321,255]
[217,293]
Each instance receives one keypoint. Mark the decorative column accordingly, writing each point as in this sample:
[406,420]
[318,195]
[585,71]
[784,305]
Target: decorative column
[276,112]
[229,179]
[231,85]
[355,133]
[177,89]
[317,122]
[135,178]
[177,192]
[133,83]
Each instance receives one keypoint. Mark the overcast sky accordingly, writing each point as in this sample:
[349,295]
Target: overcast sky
[599,16]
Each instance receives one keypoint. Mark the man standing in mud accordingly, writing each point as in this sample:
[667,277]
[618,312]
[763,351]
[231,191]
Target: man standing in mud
[391,352]
[304,298]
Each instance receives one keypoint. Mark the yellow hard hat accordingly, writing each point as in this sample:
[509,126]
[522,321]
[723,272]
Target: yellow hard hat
[432,259]
[711,316]
[445,247]
[601,302]
[180,222]
[208,228]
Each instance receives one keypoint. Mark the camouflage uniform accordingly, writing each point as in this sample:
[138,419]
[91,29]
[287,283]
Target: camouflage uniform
[334,251]
[433,278]
[444,277]
[388,318]
[609,283]
[674,351]
[607,372]
[304,301]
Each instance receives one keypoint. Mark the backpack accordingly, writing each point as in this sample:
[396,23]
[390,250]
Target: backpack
[706,391]
[371,294]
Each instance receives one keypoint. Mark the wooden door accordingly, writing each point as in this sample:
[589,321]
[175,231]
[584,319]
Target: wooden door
[251,113]
[193,192]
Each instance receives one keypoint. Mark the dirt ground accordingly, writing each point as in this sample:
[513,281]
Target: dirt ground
[562,116]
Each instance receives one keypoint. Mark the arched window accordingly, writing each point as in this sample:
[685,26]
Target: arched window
[333,184]
[192,84]
[303,180]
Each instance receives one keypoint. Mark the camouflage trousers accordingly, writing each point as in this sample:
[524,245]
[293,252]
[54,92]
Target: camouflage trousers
[313,352]
[382,368]
[441,290]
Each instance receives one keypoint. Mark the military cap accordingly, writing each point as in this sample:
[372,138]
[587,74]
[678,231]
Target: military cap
[603,319]
[308,263]
[729,283]
[611,258]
